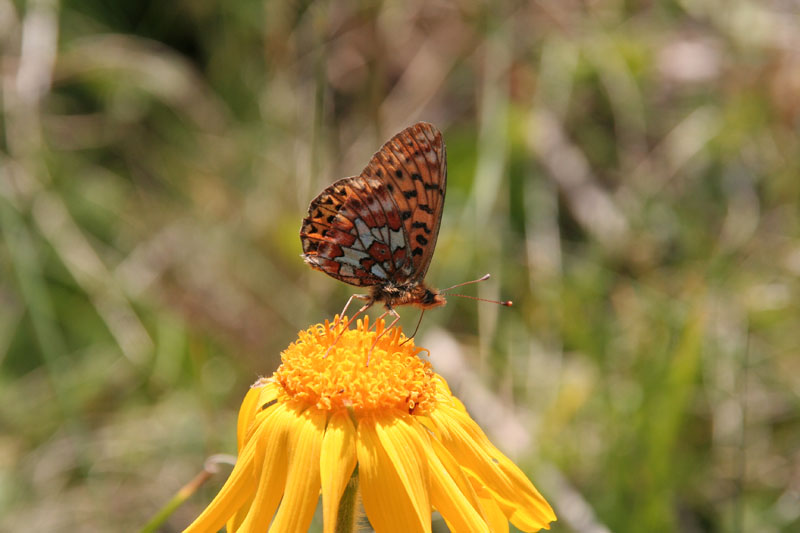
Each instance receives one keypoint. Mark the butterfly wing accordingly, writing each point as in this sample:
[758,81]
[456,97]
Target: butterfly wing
[353,232]
[413,167]
[382,225]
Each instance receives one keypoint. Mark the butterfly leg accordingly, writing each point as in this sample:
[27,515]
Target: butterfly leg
[382,333]
[375,324]
[347,326]
[349,301]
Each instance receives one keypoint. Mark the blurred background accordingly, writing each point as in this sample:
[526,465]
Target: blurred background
[627,171]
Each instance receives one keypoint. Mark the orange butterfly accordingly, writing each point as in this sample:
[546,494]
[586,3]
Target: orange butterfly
[379,229]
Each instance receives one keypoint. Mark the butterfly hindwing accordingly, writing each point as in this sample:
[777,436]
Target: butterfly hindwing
[353,233]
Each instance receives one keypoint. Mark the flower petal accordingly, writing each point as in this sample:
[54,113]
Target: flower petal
[238,488]
[270,438]
[451,493]
[393,474]
[337,462]
[517,496]
[253,401]
[302,482]
[454,470]
[498,523]
[235,522]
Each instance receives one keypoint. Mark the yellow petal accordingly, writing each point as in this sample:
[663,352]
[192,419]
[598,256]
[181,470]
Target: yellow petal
[268,425]
[452,495]
[523,504]
[271,440]
[393,475]
[302,481]
[442,387]
[269,393]
[239,487]
[498,523]
[337,462]
[235,522]
[455,472]
[250,407]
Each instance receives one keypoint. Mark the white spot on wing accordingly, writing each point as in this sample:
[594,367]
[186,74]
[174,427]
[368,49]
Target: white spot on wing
[351,257]
[396,240]
[346,270]
[430,155]
[387,204]
[311,259]
[378,271]
[364,234]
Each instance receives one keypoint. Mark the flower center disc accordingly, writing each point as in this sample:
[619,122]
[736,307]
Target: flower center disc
[394,379]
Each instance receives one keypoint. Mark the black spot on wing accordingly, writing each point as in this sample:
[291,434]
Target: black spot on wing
[421,225]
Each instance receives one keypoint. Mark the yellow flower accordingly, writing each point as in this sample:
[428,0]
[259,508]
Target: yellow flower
[306,429]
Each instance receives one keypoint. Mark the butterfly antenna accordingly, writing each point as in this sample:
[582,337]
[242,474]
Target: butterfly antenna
[506,303]
[482,278]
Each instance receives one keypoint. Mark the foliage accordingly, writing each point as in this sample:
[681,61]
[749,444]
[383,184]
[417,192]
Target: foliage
[627,171]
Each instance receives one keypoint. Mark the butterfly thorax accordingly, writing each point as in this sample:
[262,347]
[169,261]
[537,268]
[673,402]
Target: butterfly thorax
[414,293]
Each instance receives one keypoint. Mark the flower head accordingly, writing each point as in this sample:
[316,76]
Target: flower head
[325,412]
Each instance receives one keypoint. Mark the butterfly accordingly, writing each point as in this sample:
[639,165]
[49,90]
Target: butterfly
[379,229]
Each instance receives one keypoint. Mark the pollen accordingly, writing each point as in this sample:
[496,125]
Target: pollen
[334,368]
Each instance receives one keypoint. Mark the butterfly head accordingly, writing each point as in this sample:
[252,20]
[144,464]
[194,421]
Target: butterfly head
[430,299]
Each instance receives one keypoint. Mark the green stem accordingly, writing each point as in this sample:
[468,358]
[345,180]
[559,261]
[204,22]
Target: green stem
[346,517]
[210,468]
[176,501]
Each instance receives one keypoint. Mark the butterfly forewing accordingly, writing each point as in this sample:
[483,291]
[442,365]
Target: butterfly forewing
[413,165]
[381,226]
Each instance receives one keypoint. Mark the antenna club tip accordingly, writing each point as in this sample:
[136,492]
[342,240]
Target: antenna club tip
[507,303]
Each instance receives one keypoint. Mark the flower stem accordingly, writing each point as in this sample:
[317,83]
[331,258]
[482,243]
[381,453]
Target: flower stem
[346,517]
[211,467]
